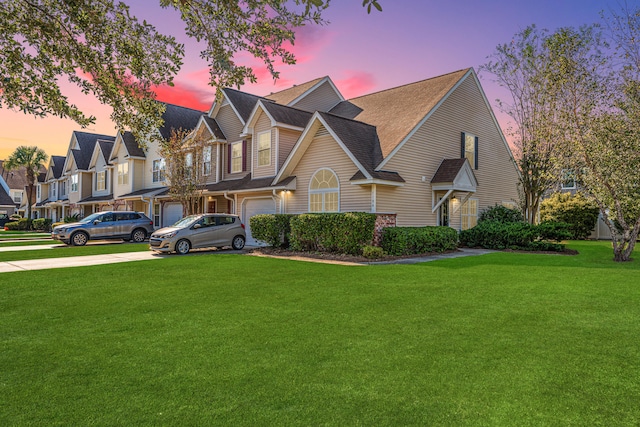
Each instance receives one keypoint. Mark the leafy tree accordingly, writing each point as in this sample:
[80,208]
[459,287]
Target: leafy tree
[32,159]
[525,68]
[574,209]
[100,47]
[184,169]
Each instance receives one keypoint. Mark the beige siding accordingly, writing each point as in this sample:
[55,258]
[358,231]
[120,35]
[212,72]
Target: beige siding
[141,169]
[321,99]
[286,140]
[439,138]
[87,184]
[229,123]
[324,152]
[263,124]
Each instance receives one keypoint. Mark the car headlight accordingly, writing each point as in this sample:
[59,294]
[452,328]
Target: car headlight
[60,229]
[165,235]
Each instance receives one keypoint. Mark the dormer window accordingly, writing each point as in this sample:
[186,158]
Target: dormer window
[74,183]
[264,148]
[101,181]
[158,170]
[123,173]
[236,157]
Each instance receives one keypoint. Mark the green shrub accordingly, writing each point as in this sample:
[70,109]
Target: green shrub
[576,210]
[72,218]
[418,240]
[554,231]
[22,224]
[514,235]
[343,233]
[43,224]
[501,214]
[55,224]
[15,217]
[372,252]
[272,229]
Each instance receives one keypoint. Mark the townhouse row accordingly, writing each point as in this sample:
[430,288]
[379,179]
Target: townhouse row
[425,153]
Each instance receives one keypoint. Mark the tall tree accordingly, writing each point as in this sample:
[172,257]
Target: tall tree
[32,159]
[186,172]
[107,52]
[525,68]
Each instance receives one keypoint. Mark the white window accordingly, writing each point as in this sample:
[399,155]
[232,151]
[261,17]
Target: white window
[206,160]
[156,215]
[158,170]
[188,164]
[74,183]
[236,157]
[470,149]
[63,188]
[568,179]
[38,191]
[123,173]
[101,181]
[324,192]
[469,214]
[17,196]
[53,190]
[264,148]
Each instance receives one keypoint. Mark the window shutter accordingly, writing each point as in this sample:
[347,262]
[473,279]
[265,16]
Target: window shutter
[462,145]
[475,151]
[228,158]
[244,155]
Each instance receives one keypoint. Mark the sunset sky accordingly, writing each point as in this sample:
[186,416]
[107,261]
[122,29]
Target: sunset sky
[410,40]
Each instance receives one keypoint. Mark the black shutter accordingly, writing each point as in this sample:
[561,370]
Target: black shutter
[228,158]
[475,151]
[462,145]
[244,155]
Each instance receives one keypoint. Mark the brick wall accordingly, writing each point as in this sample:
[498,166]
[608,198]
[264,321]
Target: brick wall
[382,221]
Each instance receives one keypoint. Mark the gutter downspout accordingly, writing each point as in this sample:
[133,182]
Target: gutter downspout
[225,195]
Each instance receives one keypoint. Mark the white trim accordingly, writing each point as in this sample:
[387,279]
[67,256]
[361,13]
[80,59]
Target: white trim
[322,191]
[374,181]
[441,201]
[374,198]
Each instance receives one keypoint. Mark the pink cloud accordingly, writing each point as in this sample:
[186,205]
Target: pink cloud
[185,95]
[356,83]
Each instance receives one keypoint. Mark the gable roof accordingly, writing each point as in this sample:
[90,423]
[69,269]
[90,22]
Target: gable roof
[397,111]
[106,147]
[86,143]
[286,96]
[131,145]
[56,164]
[213,126]
[177,117]
[242,102]
[15,179]
[448,170]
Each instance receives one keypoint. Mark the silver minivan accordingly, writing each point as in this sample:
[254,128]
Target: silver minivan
[199,231]
[133,226]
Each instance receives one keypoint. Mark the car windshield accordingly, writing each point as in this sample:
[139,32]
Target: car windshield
[186,221]
[91,218]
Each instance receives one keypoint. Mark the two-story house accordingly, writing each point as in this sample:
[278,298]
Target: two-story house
[425,153]
[13,183]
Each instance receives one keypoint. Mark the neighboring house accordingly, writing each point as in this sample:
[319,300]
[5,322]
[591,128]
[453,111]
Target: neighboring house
[53,192]
[425,153]
[13,184]
[101,196]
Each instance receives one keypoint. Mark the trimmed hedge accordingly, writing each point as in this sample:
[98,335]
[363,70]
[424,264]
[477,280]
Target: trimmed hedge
[272,229]
[418,240]
[43,224]
[501,214]
[23,224]
[514,235]
[345,233]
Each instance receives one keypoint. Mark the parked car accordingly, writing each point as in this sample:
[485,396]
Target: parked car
[132,226]
[199,231]
[4,218]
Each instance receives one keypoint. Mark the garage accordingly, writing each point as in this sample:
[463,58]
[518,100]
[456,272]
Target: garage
[255,207]
[172,213]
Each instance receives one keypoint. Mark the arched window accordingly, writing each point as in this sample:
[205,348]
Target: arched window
[324,192]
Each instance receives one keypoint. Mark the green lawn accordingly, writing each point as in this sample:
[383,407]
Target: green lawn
[501,339]
[8,235]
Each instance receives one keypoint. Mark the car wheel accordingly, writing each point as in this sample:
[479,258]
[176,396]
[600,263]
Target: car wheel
[183,246]
[79,238]
[237,243]
[138,235]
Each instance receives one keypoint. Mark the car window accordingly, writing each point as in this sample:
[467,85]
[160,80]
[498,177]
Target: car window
[225,220]
[123,216]
[106,217]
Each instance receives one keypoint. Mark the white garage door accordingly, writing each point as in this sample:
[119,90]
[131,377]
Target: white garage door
[255,207]
[172,213]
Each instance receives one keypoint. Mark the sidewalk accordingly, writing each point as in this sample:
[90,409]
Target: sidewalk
[76,261]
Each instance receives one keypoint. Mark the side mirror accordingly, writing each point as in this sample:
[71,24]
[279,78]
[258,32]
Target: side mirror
[96,222]
[197,226]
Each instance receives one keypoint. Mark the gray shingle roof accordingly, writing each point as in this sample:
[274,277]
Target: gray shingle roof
[247,183]
[176,117]
[106,147]
[243,102]
[5,199]
[87,142]
[56,164]
[97,199]
[288,115]
[16,179]
[215,128]
[131,145]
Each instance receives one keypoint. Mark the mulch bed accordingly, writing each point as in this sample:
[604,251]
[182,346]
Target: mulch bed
[360,259]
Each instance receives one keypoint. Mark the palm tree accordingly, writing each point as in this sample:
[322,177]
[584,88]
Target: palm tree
[32,159]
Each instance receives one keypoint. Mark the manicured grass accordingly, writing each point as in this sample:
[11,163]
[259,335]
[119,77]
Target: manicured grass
[67,251]
[7,235]
[499,339]
[27,243]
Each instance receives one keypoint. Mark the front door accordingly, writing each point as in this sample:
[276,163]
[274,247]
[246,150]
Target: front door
[443,213]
